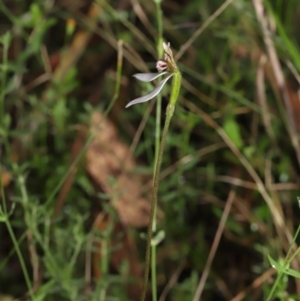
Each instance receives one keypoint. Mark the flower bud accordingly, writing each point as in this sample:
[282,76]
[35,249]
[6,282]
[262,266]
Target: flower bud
[161,65]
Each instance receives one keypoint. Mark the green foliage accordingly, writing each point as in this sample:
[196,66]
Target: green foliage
[186,289]
[233,131]
[220,141]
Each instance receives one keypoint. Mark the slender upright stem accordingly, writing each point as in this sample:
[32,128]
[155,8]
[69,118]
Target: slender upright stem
[169,113]
[159,15]
[157,143]
[6,39]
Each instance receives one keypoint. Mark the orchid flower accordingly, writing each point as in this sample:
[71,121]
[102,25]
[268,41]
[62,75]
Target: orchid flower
[168,64]
[169,68]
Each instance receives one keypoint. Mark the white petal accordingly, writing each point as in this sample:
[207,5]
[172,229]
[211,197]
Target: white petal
[166,46]
[148,77]
[150,95]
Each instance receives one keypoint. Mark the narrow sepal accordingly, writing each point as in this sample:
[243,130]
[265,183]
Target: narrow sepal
[148,77]
[150,95]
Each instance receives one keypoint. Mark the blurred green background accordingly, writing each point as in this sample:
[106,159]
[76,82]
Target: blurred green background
[68,230]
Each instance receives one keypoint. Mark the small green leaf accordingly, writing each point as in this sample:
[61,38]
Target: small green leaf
[158,238]
[233,131]
[5,39]
[60,113]
[275,264]
[36,13]
[285,270]
[292,273]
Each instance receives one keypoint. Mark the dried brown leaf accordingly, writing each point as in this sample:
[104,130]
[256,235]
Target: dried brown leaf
[5,177]
[108,158]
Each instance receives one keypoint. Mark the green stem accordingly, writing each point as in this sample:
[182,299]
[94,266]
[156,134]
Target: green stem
[157,143]
[15,242]
[287,261]
[6,39]
[170,110]
[21,259]
[159,28]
